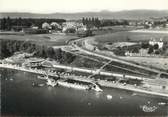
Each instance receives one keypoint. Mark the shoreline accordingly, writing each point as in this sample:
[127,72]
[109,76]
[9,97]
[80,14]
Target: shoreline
[105,84]
[136,90]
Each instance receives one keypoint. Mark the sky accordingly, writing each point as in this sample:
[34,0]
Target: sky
[71,6]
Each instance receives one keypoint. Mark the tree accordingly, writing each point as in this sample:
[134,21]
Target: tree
[156,46]
[135,50]
[157,52]
[50,52]
[97,23]
[83,21]
[70,30]
[150,50]
[144,45]
[3,23]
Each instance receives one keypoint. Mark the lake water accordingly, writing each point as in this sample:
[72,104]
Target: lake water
[20,98]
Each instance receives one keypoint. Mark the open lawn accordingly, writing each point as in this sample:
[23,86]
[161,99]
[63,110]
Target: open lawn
[42,39]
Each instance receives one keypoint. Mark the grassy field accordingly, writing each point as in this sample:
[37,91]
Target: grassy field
[42,39]
[129,36]
[113,29]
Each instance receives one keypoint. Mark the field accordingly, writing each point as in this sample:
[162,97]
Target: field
[113,29]
[151,61]
[42,39]
[129,36]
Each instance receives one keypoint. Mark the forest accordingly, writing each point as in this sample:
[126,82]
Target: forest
[9,47]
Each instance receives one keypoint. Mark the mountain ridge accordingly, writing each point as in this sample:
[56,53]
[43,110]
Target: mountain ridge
[127,14]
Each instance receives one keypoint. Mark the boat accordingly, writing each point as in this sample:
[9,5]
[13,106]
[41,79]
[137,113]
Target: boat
[51,82]
[42,77]
[162,103]
[109,97]
[76,85]
[37,85]
[96,88]
[121,97]
[134,94]
[11,79]
[146,108]
[40,85]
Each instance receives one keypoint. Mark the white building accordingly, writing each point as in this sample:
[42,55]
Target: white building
[153,42]
[75,25]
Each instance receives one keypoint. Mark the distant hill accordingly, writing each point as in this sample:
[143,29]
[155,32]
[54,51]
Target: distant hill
[129,14]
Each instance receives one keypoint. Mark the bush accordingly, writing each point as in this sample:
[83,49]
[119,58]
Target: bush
[150,51]
[144,45]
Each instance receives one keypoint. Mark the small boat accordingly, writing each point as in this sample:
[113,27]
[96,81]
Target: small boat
[51,82]
[40,85]
[42,77]
[37,85]
[146,108]
[162,103]
[89,104]
[121,97]
[11,79]
[134,94]
[96,88]
[109,97]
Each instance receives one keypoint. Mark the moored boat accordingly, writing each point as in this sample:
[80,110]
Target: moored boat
[96,88]
[146,108]
[76,85]
[42,77]
[51,82]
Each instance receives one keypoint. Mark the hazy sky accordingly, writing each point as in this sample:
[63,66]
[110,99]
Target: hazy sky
[51,6]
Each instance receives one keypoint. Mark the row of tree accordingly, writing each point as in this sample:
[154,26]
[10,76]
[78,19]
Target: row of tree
[109,22]
[96,22]
[8,23]
[91,22]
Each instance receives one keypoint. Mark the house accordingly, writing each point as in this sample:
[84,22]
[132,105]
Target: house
[153,42]
[78,26]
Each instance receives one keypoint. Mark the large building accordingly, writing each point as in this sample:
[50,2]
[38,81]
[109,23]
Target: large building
[154,42]
[77,26]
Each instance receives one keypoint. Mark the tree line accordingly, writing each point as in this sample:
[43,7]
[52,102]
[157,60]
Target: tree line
[96,22]
[91,22]
[8,23]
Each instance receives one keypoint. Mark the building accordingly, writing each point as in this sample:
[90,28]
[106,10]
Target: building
[154,42]
[78,26]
